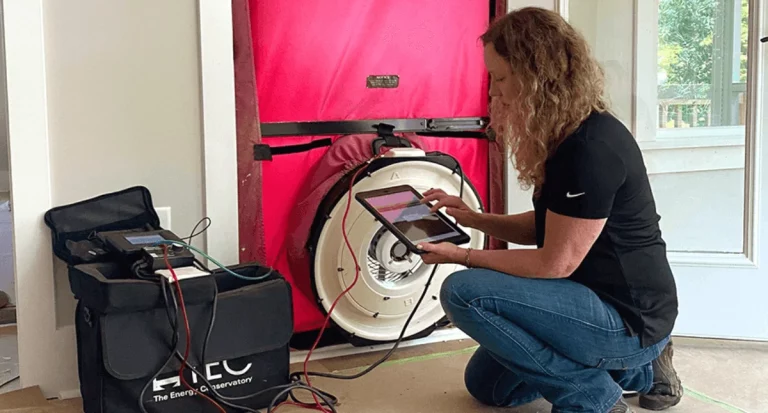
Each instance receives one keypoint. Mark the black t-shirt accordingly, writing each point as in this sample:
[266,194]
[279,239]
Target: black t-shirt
[598,172]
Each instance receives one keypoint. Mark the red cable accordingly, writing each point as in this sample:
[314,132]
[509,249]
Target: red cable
[318,405]
[189,333]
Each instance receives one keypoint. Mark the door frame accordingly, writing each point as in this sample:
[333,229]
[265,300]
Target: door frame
[217,67]
[644,81]
[29,164]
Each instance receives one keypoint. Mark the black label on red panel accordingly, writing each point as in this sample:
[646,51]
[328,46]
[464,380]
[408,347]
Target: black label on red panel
[383,81]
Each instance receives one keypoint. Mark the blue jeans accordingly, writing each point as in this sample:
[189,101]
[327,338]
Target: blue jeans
[545,338]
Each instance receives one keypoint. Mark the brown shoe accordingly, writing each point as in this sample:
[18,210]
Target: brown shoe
[667,390]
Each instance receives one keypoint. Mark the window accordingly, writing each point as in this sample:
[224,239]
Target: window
[675,68]
[702,66]
[676,75]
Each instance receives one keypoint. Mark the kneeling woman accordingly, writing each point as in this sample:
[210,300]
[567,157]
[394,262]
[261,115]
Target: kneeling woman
[589,312]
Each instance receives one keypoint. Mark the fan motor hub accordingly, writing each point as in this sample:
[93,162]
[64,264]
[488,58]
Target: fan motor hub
[399,252]
[392,255]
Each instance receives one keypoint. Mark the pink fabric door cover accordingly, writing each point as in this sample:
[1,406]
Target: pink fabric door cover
[312,59]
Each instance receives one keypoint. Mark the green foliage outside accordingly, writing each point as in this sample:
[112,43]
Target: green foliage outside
[686,32]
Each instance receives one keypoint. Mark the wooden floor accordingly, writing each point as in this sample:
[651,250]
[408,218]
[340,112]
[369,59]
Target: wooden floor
[719,377]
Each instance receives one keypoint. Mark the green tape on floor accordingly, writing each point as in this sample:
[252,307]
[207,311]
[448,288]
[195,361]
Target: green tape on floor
[688,391]
[703,397]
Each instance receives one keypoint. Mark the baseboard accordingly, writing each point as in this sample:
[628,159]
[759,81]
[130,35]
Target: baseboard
[69,394]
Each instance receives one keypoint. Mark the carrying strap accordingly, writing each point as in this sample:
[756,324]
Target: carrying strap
[473,128]
[386,138]
[264,152]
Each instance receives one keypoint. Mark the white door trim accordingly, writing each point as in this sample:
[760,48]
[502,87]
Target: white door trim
[755,129]
[562,7]
[646,38]
[217,78]
[753,153]
[31,198]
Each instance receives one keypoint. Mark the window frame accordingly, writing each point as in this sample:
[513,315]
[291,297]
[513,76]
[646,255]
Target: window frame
[645,128]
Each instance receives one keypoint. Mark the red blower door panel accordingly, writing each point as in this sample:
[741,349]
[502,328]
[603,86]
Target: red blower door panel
[341,60]
[361,59]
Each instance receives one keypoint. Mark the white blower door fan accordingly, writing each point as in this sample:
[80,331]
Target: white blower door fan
[391,279]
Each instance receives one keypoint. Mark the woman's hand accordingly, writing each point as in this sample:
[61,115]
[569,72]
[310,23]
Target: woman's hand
[442,253]
[455,207]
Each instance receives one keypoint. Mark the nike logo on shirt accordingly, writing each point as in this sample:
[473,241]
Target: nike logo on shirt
[570,195]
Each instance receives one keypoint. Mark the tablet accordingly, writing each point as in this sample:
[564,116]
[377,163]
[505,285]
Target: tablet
[400,210]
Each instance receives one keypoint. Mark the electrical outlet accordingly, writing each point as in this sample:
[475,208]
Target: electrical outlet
[164,213]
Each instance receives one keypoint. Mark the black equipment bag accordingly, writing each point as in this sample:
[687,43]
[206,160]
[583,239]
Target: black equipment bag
[123,324]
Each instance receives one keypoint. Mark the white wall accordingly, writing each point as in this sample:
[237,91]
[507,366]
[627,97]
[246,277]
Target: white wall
[123,85]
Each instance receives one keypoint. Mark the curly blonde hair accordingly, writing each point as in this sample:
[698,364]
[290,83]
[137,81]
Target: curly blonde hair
[561,84]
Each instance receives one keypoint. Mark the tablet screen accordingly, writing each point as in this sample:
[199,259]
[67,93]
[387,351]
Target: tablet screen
[414,219]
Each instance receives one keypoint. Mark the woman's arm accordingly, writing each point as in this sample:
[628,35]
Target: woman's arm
[587,167]
[567,241]
[518,229]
